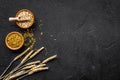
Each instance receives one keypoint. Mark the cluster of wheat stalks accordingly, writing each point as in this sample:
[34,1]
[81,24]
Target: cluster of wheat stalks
[24,69]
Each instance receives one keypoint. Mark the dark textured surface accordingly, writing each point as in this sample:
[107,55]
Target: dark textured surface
[84,33]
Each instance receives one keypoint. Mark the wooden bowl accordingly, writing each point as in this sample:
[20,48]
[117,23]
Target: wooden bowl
[25,14]
[14,40]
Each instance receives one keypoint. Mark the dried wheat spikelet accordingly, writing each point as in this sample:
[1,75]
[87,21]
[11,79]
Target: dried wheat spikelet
[22,62]
[36,52]
[28,67]
[38,69]
[10,77]
[31,63]
[26,57]
[38,66]
[32,71]
[22,70]
[49,59]
[23,53]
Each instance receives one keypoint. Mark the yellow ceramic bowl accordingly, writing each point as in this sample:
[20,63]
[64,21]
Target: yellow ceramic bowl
[25,14]
[14,40]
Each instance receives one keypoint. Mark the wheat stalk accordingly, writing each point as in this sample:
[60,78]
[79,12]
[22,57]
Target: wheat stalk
[26,57]
[28,67]
[31,56]
[15,75]
[23,69]
[31,63]
[33,71]
[22,62]
[38,66]
[28,64]
[36,52]
[49,59]
[1,76]
[16,58]
[37,69]
[23,53]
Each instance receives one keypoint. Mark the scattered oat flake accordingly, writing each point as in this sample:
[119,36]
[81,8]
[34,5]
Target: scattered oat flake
[41,33]
[55,39]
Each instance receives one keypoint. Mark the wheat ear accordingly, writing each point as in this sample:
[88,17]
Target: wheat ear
[36,52]
[17,57]
[22,62]
[49,59]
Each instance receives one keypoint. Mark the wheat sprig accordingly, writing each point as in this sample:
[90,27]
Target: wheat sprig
[49,59]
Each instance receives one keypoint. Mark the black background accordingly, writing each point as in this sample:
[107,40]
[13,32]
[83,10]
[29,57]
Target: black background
[85,34]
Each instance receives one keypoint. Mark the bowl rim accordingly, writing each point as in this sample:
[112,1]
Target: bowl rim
[32,18]
[14,32]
